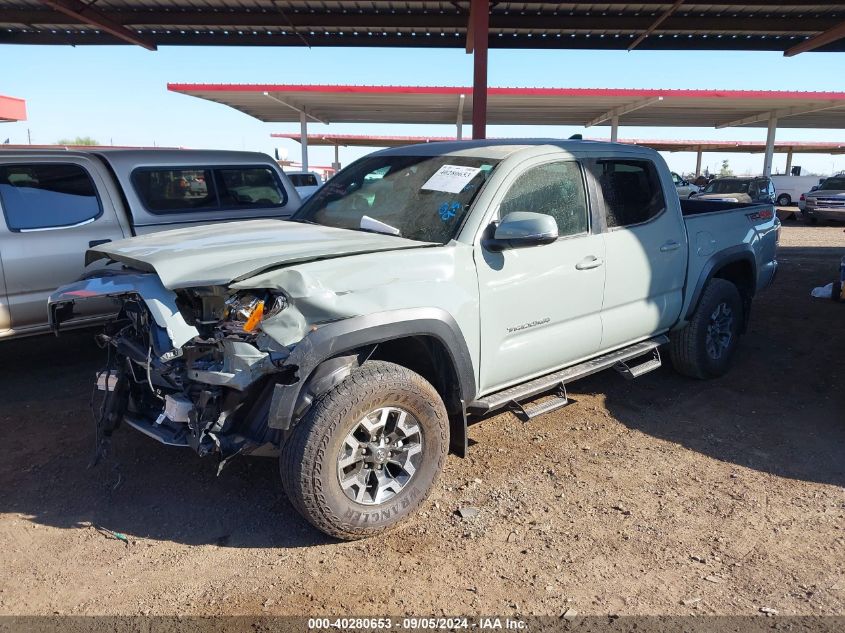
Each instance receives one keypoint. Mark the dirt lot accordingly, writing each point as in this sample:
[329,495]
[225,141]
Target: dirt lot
[634,499]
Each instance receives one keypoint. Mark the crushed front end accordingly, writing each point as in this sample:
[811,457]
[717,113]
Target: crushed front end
[189,367]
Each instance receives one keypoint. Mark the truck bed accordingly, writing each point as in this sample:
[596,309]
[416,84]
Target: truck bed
[691,206]
[720,232]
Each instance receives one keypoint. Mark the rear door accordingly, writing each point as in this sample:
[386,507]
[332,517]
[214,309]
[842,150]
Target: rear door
[53,212]
[646,251]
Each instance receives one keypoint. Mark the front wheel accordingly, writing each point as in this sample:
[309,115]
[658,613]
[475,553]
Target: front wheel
[706,344]
[368,453]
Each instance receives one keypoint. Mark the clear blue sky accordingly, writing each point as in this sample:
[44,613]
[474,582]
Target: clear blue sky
[118,94]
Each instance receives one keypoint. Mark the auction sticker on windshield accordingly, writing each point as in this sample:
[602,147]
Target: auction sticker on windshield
[451,178]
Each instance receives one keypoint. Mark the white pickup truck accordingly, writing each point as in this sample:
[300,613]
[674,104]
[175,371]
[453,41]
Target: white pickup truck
[420,288]
[54,205]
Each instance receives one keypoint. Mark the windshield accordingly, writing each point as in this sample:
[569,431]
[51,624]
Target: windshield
[424,198]
[833,184]
[728,186]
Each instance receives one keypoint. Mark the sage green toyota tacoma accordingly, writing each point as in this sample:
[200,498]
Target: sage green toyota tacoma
[417,291]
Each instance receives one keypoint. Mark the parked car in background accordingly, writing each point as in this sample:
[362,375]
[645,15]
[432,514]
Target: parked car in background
[684,188]
[788,189]
[421,285]
[827,201]
[731,189]
[306,182]
[57,204]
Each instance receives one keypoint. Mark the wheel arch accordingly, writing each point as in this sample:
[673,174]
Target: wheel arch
[427,341]
[737,265]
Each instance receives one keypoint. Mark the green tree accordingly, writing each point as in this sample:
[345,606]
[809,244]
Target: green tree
[726,169]
[79,140]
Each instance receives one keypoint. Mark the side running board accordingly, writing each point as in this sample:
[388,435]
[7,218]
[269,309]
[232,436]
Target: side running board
[513,396]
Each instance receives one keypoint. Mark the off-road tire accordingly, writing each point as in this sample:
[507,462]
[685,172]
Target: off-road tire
[687,347]
[308,461]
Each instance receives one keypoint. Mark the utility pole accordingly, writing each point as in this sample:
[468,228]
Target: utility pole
[28,137]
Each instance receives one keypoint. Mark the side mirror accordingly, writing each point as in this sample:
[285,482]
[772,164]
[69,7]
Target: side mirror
[815,188]
[521,229]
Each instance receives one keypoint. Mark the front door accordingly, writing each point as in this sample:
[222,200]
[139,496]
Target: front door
[646,252]
[53,214]
[541,305]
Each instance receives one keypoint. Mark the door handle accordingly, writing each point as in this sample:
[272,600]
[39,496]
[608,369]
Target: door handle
[670,246]
[589,262]
[94,243]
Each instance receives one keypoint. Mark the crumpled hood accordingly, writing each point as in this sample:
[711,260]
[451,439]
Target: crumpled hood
[217,254]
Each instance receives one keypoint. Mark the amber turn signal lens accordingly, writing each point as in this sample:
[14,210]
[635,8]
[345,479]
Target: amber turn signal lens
[254,318]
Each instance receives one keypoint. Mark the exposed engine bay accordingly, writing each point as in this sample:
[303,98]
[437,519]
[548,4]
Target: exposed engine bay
[213,393]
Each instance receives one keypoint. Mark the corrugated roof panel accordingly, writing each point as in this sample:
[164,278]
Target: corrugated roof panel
[754,24]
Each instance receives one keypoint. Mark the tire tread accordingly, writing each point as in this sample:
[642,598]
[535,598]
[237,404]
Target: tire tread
[304,451]
[684,345]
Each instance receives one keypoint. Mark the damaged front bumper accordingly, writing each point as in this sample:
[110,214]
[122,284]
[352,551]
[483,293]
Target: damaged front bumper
[184,381]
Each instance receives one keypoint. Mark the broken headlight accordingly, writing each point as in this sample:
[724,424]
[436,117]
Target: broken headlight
[246,310]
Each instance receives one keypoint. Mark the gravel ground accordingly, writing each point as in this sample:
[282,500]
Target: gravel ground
[658,496]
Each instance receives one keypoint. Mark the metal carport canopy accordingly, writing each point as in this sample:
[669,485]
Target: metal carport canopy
[698,146]
[684,145]
[529,106]
[526,106]
[12,109]
[789,27]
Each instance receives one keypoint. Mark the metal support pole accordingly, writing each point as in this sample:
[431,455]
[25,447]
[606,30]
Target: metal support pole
[770,146]
[480,18]
[336,163]
[614,129]
[698,162]
[460,118]
[788,162]
[303,139]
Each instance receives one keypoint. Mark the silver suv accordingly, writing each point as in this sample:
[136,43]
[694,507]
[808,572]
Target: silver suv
[827,201]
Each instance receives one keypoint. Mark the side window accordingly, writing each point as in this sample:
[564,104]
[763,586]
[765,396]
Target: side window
[249,187]
[631,190]
[42,196]
[303,180]
[556,189]
[171,189]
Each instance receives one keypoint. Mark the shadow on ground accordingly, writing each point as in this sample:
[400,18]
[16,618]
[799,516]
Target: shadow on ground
[142,488]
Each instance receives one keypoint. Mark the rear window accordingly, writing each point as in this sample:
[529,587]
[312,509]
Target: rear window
[43,196]
[631,190]
[303,180]
[832,184]
[185,189]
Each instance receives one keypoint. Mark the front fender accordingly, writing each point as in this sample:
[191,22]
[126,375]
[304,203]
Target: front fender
[334,339]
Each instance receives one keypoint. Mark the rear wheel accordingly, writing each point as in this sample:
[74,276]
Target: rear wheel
[368,453]
[784,200]
[705,346]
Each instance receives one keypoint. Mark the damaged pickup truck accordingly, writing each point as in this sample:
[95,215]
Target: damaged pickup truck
[420,288]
